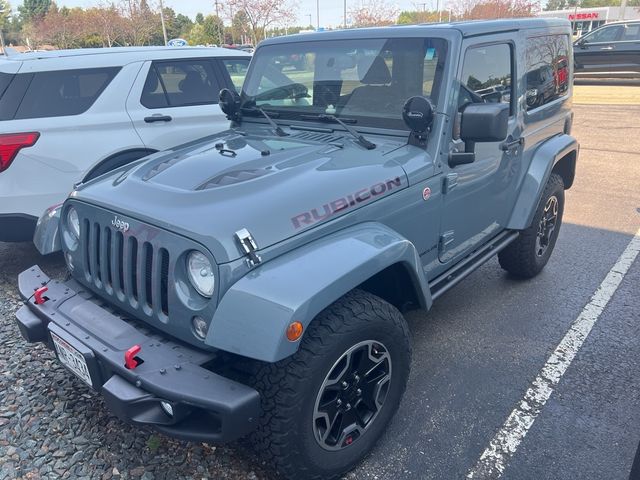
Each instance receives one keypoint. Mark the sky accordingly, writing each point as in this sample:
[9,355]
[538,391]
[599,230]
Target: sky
[331,11]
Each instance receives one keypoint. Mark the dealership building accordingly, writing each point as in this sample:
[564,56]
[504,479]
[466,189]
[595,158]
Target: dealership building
[583,20]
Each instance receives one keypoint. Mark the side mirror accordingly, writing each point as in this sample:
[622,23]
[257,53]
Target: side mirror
[417,114]
[484,122]
[480,122]
[230,103]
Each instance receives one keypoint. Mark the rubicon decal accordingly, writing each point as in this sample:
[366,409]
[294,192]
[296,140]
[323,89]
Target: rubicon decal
[343,203]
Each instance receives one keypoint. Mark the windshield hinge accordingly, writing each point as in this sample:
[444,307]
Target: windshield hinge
[248,247]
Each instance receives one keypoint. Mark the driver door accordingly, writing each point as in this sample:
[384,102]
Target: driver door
[478,196]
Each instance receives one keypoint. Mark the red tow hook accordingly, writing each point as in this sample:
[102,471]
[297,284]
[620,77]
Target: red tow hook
[39,299]
[130,360]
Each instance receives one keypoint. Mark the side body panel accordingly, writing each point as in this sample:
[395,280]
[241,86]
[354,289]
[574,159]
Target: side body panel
[545,140]
[68,147]
[252,317]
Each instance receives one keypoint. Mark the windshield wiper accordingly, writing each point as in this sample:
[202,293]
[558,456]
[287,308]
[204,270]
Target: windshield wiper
[274,125]
[354,133]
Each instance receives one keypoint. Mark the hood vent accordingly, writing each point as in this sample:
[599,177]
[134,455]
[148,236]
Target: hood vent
[160,167]
[231,178]
[317,137]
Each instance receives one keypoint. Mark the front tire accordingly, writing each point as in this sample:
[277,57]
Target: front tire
[325,407]
[528,255]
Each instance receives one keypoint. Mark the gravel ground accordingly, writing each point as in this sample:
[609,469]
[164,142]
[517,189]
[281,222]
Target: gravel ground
[53,426]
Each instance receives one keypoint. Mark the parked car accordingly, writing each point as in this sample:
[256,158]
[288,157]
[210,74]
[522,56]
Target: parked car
[613,48]
[68,116]
[273,261]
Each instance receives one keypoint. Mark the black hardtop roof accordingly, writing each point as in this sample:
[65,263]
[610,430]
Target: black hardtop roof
[467,29]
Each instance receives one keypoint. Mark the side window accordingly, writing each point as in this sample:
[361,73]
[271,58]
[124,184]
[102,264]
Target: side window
[547,69]
[486,75]
[237,70]
[179,84]
[65,92]
[606,34]
[631,32]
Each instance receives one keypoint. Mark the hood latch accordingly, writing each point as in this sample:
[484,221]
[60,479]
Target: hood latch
[248,247]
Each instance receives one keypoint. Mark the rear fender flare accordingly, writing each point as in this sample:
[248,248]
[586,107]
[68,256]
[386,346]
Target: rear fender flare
[544,160]
[253,315]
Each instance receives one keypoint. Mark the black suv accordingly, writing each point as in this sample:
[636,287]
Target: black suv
[612,48]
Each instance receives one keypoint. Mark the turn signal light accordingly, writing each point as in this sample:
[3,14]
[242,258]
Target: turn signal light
[294,331]
[12,143]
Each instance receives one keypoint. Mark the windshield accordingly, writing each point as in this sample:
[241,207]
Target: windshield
[364,81]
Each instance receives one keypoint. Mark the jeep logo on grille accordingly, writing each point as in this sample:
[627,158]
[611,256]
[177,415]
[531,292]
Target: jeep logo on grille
[120,224]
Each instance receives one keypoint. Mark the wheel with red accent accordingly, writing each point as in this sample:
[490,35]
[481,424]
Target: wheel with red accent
[327,405]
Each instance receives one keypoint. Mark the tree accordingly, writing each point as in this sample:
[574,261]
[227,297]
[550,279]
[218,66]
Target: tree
[182,25]
[199,18]
[239,28]
[491,9]
[139,23]
[374,13]
[417,16]
[5,13]
[214,29]
[34,9]
[261,14]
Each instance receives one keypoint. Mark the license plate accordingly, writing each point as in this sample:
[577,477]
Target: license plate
[72,359]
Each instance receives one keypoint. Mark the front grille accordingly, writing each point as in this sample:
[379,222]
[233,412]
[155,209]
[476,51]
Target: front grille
[131,270]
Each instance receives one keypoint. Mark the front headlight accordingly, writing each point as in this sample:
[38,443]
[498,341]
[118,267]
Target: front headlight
[73,222]
[201,273]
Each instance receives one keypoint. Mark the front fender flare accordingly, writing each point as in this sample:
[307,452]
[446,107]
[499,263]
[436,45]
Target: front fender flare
[540,168]
[253,315]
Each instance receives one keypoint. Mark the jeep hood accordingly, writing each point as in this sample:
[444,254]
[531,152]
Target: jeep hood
[275,187]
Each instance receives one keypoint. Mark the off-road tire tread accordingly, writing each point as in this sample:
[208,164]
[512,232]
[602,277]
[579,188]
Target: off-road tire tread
[517,258]
[279,417]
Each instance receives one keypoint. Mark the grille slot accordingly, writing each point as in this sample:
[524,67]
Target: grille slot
[132,271]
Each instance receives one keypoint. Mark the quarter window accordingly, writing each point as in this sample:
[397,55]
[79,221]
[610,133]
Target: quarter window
[237,70]
[179,84]
[65,92]
[631,32]
[547,69]
[486,75]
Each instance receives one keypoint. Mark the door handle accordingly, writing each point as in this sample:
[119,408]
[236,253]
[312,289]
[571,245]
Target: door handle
[158,118]
[606,48]
[510,144]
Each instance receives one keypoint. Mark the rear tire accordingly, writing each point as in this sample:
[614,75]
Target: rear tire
[358,333]
[528,255]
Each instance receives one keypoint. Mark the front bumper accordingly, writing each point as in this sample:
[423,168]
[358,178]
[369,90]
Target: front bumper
[206,406]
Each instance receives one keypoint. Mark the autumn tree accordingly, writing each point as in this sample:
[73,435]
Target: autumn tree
[262,14]
[140,22]
[374,13]
[492,9]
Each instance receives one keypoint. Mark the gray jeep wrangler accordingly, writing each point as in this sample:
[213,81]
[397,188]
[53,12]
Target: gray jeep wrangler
[252,283]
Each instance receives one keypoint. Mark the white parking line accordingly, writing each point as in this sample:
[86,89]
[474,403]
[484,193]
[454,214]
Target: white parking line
[493,460]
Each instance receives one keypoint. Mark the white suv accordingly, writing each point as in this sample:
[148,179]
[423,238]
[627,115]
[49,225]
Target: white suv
[70,115]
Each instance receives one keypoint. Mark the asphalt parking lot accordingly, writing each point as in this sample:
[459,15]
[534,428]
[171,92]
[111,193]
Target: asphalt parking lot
[475,355]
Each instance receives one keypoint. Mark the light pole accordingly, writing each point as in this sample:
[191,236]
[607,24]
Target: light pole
[220,33]
[318,13]
[345,14]
[310,24]
[4,49]
[164,28]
